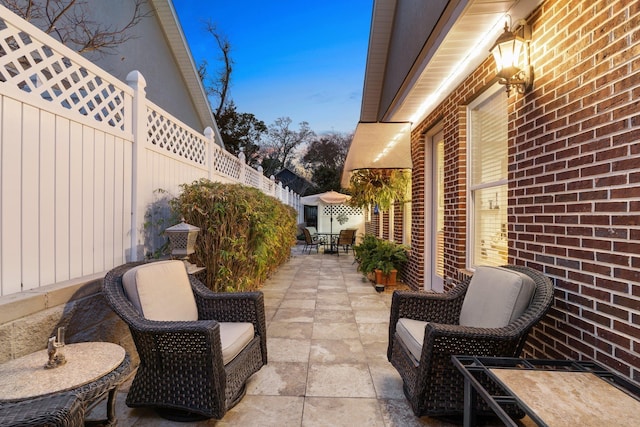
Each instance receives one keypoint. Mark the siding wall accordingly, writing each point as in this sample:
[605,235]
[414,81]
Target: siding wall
[574,179]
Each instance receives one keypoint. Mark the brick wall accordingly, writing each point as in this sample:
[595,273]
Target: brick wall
[398,222]
[574,179]
[451,114]
[385,224]
[575,168]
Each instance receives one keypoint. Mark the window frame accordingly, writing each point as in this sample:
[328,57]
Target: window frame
[495,90]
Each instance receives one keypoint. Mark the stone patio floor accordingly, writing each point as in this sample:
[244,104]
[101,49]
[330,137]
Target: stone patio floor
[327,339]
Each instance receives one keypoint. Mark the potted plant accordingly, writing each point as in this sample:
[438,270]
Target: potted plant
[380,257]
[389,257]
[364,254]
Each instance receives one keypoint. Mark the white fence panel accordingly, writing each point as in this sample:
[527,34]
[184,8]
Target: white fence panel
[30,191]
[175,154]
[76,182]
[10,236]
[61,209]
[47,229]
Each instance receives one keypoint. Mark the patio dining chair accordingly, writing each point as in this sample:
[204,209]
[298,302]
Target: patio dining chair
[489,314]
[197,348]
[346,240]
[311,241]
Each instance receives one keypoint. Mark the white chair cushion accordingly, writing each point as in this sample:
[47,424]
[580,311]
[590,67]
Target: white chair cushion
[496,297]
[411,333]
[161,291]
[312,230]
[234,337]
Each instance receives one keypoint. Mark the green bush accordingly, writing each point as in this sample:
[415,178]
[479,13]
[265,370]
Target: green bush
[244,234]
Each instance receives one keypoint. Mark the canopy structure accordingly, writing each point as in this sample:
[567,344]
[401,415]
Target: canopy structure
[378,146]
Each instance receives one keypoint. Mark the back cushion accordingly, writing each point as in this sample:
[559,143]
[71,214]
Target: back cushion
[496,297]
[161,291]
[312,230]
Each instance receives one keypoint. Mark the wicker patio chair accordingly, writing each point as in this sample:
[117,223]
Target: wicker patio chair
[185,372]
[425,331]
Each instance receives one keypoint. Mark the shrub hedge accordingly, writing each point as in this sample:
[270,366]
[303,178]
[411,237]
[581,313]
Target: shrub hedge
[244,234]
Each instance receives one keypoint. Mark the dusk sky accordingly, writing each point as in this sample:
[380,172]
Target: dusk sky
[301,59]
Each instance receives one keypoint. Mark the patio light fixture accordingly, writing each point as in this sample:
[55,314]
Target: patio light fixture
[183,241]
[506,52]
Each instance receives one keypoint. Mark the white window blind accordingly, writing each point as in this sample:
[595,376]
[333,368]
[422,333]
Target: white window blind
[439,211]
[488,180]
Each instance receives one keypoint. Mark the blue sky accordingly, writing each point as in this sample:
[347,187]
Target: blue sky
[302,59]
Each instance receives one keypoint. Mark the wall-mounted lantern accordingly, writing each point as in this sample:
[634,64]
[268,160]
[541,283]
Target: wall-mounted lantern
[507,52]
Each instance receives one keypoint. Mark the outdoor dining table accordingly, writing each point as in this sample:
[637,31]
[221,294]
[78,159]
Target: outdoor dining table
[331,239]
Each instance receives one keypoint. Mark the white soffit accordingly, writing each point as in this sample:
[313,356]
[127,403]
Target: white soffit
[465,46]
[382,20]
[378,145]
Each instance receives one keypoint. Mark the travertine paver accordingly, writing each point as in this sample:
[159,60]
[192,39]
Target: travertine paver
[327,340]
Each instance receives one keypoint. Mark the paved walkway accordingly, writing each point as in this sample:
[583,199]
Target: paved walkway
[327,340]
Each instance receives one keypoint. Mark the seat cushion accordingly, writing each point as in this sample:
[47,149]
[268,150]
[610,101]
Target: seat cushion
[496,297]
[234,337]
[411,333]
[161,291]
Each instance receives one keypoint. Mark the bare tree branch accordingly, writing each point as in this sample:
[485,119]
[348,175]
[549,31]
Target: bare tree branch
[223,82]
[70,22]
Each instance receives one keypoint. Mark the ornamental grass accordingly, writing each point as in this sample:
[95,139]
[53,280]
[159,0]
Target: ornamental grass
[244,234]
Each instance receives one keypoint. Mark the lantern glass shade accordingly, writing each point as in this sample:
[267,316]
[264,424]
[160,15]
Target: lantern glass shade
[182,238]
[506,53]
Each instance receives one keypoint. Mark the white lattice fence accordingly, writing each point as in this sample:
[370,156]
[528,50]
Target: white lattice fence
[34,66]
[81,154]
[166,133]
[268,186]
[226,164]
[253,178]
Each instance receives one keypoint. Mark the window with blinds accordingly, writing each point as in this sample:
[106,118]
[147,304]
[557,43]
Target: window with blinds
[488,180]
[439,207]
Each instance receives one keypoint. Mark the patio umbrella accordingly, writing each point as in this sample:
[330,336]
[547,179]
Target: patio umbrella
[333,198]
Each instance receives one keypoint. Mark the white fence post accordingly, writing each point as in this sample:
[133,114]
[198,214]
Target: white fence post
[210,136]
[136,80]
[262,186]
[243,168]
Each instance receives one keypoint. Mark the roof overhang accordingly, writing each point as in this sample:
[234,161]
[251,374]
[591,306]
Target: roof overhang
[454,44]
[391,143]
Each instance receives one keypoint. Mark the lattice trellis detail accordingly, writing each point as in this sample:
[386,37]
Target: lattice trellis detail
[252,177]
[165,133]
[268,186]
[341,209]
[226,163]
[35,67]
